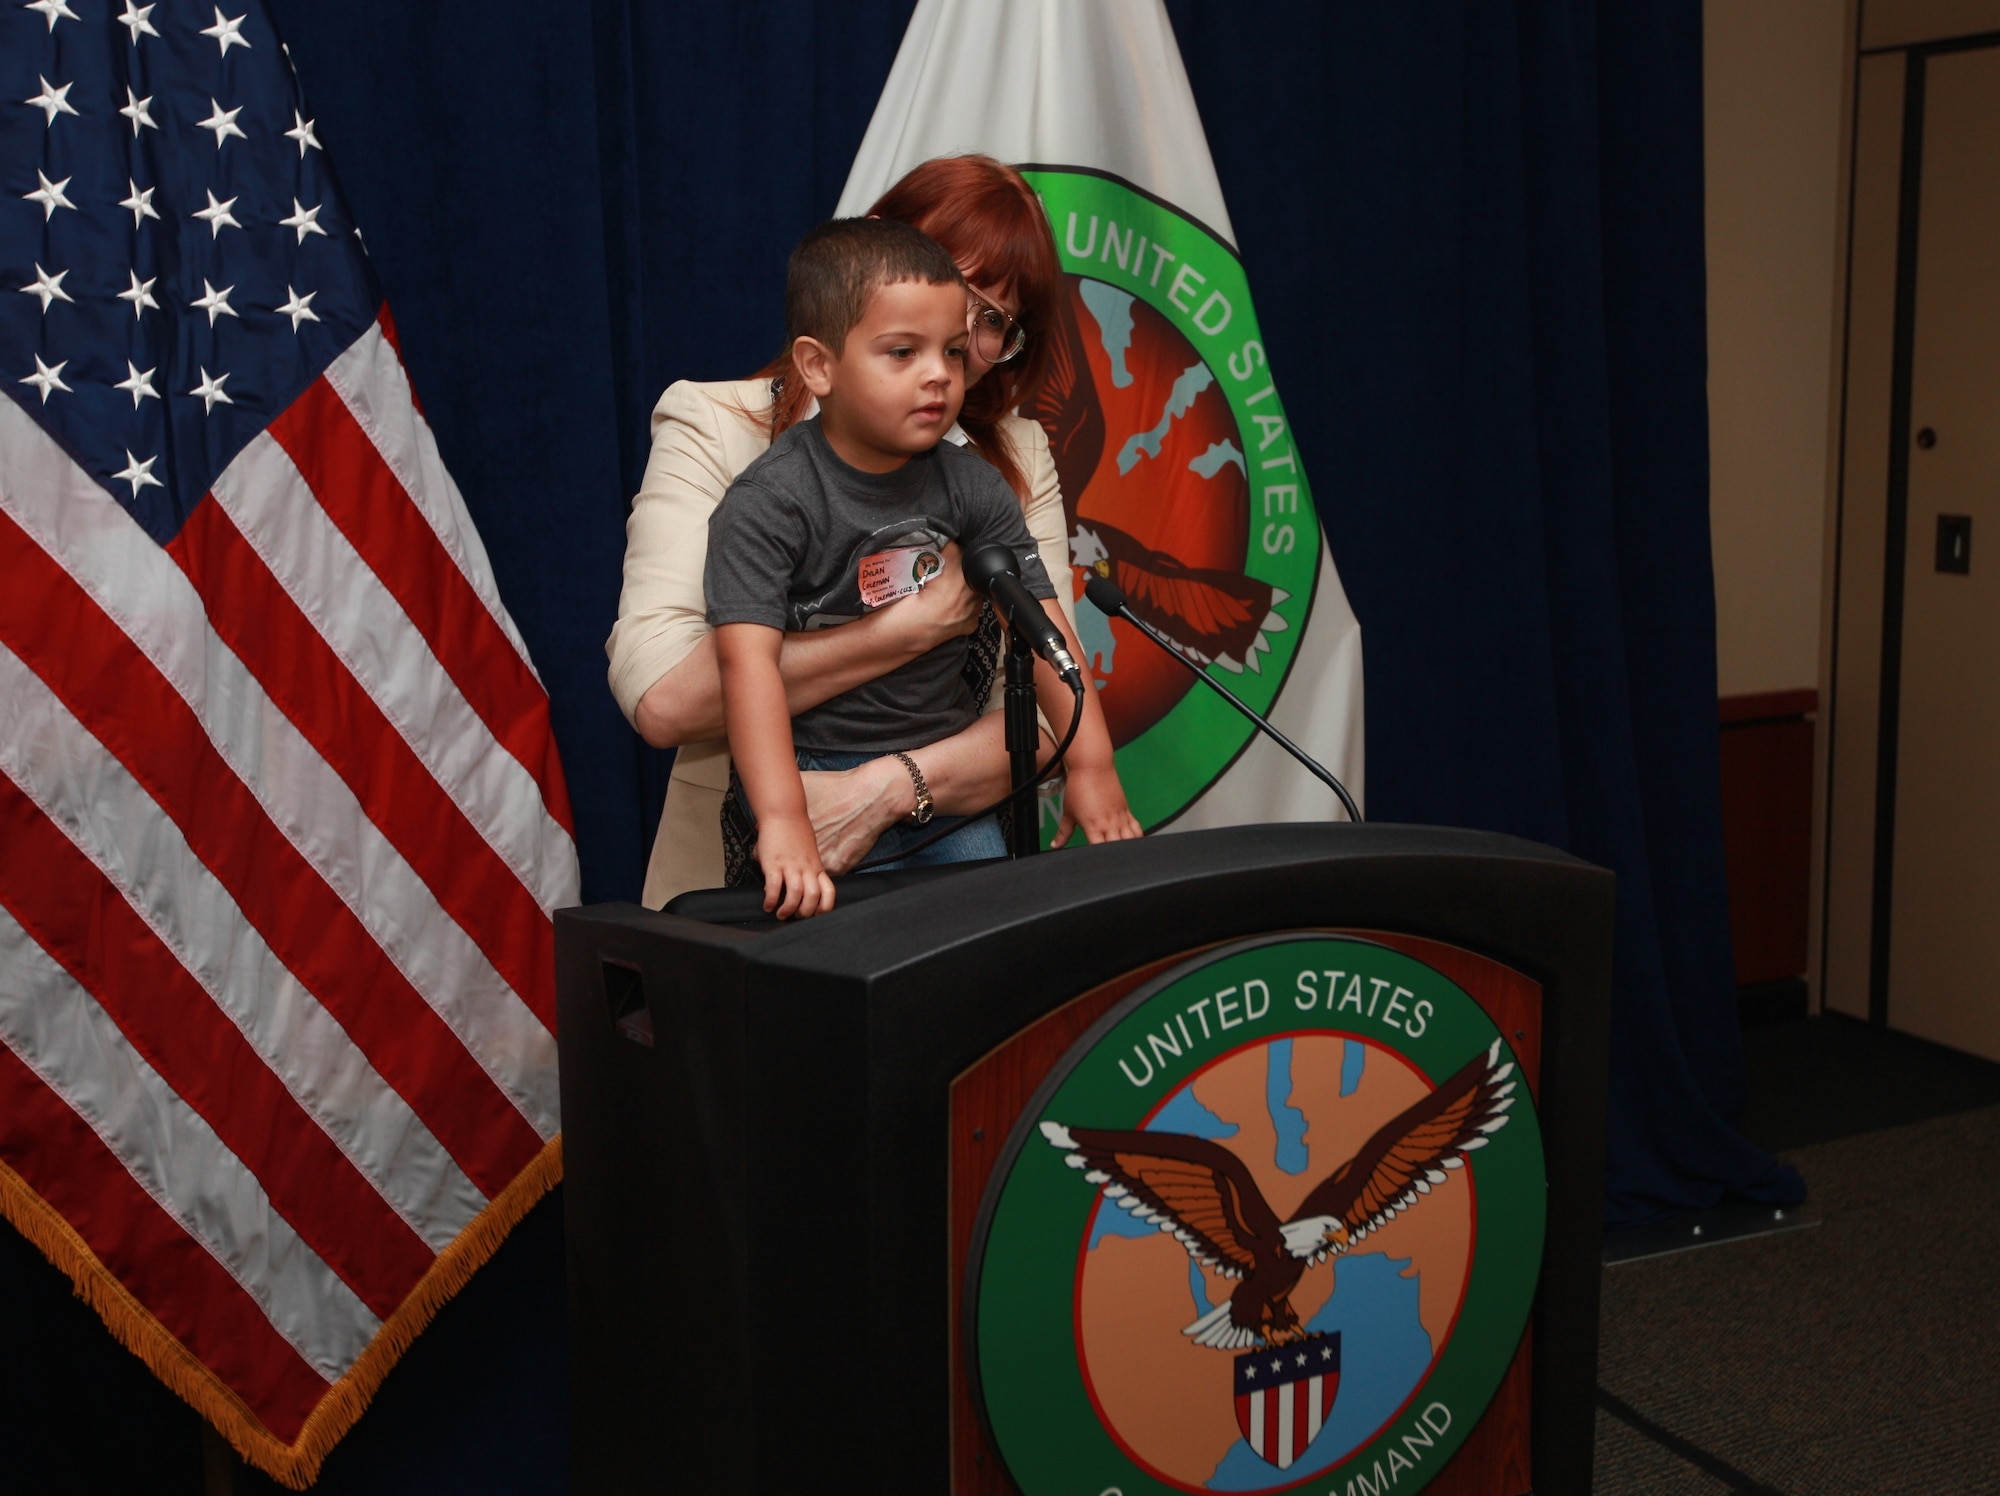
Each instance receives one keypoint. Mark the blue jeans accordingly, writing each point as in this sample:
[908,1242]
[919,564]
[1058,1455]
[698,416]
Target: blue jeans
[972,842]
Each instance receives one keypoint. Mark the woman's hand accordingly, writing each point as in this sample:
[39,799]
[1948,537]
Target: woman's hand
[945,609]
[851,808]
[685,704]
[1095,800]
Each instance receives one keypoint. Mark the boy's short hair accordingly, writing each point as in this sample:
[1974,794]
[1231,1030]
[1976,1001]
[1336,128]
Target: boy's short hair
[842,263]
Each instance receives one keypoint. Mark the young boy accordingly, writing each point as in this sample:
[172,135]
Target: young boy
[848,511]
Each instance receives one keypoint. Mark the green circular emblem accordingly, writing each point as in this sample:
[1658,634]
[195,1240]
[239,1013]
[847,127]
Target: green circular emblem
[1277,1217]
[1180,480]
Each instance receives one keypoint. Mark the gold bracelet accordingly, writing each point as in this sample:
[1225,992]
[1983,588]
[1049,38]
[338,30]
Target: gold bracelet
[924,810]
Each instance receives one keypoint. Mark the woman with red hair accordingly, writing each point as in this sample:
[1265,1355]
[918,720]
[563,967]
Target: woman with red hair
[663,664]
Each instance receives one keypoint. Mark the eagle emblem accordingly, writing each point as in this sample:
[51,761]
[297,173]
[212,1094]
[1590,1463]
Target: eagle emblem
[1203,1195]
[1215,617]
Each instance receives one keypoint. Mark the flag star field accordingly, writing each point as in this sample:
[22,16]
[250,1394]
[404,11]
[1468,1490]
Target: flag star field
[179,154]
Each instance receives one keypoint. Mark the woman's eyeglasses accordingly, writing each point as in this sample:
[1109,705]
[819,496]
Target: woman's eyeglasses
[997,336]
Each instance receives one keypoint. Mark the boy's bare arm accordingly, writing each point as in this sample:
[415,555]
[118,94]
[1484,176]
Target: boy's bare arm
[760,741]
[1092,796]
[685,704]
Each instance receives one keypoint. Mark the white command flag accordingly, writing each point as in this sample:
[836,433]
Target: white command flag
[1179,472]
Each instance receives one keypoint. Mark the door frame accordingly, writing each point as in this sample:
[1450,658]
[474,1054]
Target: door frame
[1854,903]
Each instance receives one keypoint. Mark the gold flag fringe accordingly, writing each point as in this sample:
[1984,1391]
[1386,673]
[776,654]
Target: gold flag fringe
[296,1464]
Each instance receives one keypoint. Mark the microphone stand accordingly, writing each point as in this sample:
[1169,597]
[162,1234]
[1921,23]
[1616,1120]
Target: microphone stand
[1109,598]
[1024,837]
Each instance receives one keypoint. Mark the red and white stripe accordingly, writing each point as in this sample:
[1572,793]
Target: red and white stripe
[1280,1423]
[281,828]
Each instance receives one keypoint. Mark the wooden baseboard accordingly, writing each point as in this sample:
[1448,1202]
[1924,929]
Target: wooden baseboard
[1767,768]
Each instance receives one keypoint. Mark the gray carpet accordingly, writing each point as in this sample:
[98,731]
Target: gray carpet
[1861,1356]
[1628,1460]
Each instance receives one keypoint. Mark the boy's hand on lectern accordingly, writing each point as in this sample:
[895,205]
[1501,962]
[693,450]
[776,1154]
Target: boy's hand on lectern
[795,884]
[1094,799]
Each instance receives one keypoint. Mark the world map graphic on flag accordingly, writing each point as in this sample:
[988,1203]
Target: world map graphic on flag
[1169,477]
[1181,485]
[1290,1110]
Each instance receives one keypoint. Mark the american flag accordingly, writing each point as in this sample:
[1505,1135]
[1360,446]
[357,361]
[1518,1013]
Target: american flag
[281,819]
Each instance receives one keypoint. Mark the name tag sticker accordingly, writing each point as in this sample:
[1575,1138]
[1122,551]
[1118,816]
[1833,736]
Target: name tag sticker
[888,575]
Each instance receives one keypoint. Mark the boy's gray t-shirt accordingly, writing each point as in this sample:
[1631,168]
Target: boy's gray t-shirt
[785,547]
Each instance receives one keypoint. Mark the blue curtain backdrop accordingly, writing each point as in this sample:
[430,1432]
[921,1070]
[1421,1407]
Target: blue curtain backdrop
[1474,232]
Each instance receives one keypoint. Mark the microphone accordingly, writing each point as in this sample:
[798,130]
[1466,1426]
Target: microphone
[1109,598]
[993,570]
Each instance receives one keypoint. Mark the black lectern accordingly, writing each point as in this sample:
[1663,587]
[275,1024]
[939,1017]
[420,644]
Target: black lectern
[1031,1176]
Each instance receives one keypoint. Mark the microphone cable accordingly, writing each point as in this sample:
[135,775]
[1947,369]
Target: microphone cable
[1109,599]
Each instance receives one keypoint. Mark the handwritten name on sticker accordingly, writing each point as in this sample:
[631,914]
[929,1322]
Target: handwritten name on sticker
[896,573]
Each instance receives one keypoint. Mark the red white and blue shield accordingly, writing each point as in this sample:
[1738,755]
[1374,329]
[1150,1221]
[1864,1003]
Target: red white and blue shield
[1283,1394]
